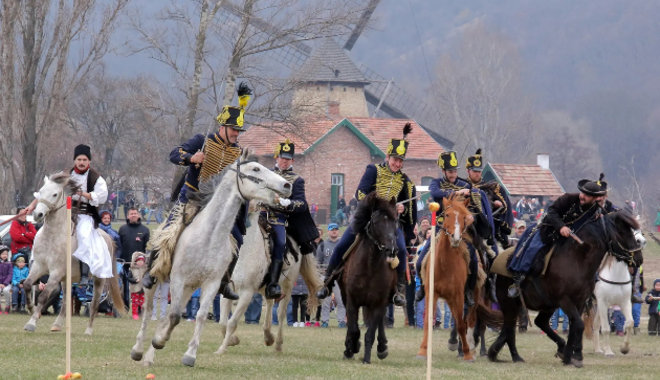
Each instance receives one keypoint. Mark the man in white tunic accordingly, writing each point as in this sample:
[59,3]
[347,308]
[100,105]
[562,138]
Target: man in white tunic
[92,249]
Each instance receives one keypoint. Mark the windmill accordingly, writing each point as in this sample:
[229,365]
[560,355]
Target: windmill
[385,96]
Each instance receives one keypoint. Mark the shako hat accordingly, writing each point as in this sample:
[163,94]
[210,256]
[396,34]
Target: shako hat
[285,149]
[475,162]
[399,147]
[448,160]
[233,116]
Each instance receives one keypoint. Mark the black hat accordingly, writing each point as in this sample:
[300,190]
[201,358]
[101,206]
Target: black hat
[82,149]
[475,162]
[399,147]
[593,188]
[448,160]
[233,116]
[285,149]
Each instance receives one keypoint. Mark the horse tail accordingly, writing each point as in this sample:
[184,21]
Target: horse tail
[115,292]
[311,273]
[492,318]
[588,316]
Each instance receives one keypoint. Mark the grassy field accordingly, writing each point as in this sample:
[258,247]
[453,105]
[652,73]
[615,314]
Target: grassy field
[309,353]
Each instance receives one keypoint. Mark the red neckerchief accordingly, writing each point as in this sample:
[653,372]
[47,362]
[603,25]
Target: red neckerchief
[75,168]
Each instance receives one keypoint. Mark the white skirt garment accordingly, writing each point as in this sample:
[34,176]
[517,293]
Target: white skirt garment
[92,249]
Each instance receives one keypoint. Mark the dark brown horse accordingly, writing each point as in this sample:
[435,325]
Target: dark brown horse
[568,283]
[368,281]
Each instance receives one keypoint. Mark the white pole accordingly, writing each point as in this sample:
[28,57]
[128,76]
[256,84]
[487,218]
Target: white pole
[69,303]
[430,283]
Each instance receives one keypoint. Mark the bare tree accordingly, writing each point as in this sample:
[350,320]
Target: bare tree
[229,42]
[479,97]
[40,71]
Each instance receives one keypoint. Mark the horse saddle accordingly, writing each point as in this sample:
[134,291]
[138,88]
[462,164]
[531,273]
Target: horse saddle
[501,261]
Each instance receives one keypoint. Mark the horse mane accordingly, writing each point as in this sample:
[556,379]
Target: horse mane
[622,216]
[207,188]
[366,207]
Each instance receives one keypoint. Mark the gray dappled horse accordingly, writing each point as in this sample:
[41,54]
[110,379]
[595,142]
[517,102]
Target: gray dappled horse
[49,254]
[204,249]
[251,268]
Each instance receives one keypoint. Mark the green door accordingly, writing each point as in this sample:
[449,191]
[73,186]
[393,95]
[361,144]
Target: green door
[336,189]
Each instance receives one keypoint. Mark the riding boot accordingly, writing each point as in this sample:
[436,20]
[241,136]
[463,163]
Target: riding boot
[273,290]
[329,284]
[514,289]
[225,289]
[148,281]
[399,298]
[421,292]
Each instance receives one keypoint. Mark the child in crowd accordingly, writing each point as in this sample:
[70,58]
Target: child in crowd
[653,299]
[18,293]
[137,270]
[193,305]
[6,274]
[299,300]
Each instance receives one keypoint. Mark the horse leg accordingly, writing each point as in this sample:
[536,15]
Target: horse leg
[542,320]
[596,329]
[352,330]
[510,308]
[96,300]
[61,316]
[36,272]
[626,309]
[456,306]
[138,348]
[268,323]
[480,337]
[573,349]
[180,294]
[209,290]
[452,342]
[281,317]
[381,349]
[375,319]
[228,326]
[604,322]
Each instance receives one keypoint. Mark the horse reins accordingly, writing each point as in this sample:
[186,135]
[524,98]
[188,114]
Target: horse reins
[381,247]
[240,176]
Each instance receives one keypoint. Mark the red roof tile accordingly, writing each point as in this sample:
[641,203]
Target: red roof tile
[522,179]
[264,139]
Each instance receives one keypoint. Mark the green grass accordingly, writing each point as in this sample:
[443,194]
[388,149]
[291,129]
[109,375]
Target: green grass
[309,353]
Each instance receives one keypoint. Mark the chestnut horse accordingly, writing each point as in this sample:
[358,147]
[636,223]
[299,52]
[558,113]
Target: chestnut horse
[368,280]
[568,283]
[451,270]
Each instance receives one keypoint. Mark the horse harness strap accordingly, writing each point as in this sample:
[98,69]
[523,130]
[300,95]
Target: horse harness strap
[614,282]
[240,176]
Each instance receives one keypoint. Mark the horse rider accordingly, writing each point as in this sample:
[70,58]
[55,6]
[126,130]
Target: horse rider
[92,249]
[479,206]
[287,217]
[567,214]
[388,181]
[500,204]
[206,156]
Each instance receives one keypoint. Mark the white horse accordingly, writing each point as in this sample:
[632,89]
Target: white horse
[614,288]
[252,266]
[49,254]
[204,249]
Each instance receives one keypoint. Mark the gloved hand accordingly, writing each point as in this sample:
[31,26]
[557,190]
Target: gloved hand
[284,202]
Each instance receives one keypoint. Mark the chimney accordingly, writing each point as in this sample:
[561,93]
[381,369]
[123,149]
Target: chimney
[543,160]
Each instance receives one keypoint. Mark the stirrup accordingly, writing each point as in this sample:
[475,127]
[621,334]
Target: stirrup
[399,299]
[148,280]
[323,293]
[273,291]
[420,294]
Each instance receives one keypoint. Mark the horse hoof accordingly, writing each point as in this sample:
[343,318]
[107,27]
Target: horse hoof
[420,357]
[29,327]
[188,360]
[269,340]
[518,359]
[147,363]
[88,331]
[366,361]
[55,328]
[348,355]
[452,346]
[137,356]
[625,350]
[234,341]
[157,345]
[559,354]
[382,355]
[577,363]
[278,347]
[609,354]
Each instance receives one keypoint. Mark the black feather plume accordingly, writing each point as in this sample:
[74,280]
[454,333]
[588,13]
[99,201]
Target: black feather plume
[478,151]
[406,130]
[602,175]
[243,89]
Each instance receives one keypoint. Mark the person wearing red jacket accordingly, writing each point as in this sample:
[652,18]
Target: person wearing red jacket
[22,232]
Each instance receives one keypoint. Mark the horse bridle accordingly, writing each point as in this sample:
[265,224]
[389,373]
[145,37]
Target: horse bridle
[618,251]
[382,248]
[445,231]
[241,176]
[53,206]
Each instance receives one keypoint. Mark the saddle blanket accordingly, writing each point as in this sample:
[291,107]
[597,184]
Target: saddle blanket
[500,263]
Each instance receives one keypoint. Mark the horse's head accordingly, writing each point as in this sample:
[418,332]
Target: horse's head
[255,181]
[52,195]
[625,238]
[457,218]
[377,219]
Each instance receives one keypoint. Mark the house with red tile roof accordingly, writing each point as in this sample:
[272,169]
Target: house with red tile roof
[332,155]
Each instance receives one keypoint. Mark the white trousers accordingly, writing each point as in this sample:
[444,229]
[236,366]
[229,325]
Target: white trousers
[160,295]
[92,249]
